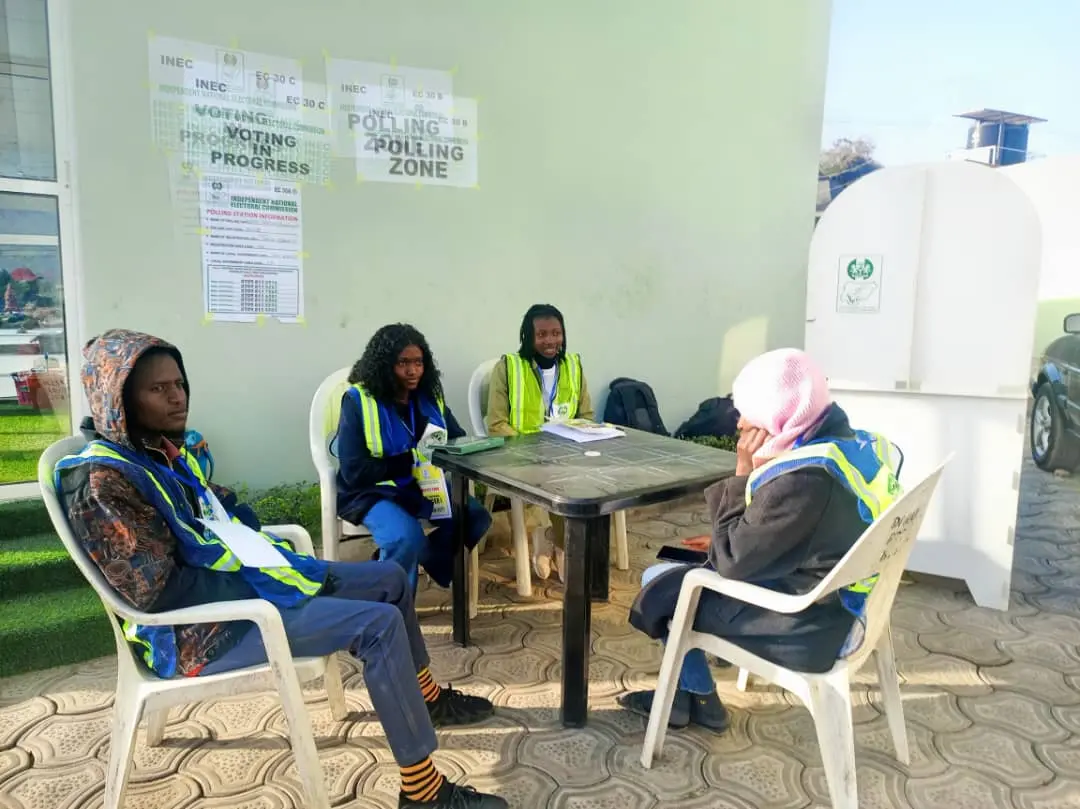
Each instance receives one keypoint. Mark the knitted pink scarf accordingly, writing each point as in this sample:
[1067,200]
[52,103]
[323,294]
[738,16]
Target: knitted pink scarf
[783,392]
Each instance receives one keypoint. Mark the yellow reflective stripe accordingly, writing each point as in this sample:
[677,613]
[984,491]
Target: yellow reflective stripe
[227,561]
[863,586]
[130,636]
[515,380]
[832,453]
[293,578]
[372,429]
[369,409]
[572,370]
[193,465]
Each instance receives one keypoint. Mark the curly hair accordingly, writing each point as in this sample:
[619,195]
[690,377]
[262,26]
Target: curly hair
[375,369]
[527,333]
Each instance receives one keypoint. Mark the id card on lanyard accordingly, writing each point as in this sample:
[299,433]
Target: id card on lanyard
[553,411]
[428,477]
[250,547]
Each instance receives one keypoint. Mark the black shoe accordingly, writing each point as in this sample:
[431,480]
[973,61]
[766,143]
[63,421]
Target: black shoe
[453,796]
[640,702]
[455,708]
[707,711]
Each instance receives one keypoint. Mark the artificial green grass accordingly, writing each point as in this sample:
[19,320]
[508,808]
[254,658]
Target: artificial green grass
[21,518]
[34,564]
[24,434]
[49,614]
[42,630]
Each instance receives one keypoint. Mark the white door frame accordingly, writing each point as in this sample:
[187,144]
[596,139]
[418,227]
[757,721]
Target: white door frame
[63,189]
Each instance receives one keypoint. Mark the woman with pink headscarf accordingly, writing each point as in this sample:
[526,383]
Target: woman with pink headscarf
[783,528]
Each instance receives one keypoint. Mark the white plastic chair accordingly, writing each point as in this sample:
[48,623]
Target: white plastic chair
[478,396]
[883,549]
[322,426]
[140,692]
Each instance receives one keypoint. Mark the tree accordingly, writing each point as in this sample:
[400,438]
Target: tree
[5,279]
[845,153]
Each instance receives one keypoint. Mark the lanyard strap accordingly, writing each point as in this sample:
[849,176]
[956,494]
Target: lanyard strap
[185,477]
[550,403]
[410,428]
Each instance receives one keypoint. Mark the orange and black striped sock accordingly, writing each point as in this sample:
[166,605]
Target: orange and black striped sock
[421,782]
[428,687]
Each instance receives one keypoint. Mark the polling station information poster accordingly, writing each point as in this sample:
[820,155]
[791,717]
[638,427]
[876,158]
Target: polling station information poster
[229,111]
[252,249]
[402,124]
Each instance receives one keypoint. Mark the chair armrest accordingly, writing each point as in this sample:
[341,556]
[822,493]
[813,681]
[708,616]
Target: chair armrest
[296,534]
[257,610]
[702,579]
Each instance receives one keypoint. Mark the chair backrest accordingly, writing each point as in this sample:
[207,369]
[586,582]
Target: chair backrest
[478,395]
[322,426]
[114,606]
[883,549]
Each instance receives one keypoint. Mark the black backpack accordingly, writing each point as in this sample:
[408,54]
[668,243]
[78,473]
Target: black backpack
[633,404]
[716,417]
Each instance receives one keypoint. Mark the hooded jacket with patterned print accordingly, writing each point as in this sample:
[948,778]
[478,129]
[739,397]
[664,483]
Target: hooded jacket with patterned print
[140,522]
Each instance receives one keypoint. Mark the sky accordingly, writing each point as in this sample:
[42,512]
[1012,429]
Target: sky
[899,71]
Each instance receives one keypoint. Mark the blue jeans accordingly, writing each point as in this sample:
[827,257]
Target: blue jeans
[366,609]
[400,538]
[695,676]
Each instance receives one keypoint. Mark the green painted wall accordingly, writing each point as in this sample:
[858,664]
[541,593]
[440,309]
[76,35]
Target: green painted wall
[649,167]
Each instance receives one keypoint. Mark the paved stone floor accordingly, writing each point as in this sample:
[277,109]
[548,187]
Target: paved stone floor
[992,702]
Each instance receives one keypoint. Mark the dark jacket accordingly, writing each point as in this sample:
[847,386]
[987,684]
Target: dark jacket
[358,472]
[798,526]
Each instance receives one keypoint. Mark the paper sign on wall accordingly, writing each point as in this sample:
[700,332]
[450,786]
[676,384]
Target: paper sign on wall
[237,112]
[252,249]
[403,124]
[858,284]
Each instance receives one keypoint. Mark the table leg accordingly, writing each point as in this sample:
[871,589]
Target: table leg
[459,497]
[581,536]
[600,559]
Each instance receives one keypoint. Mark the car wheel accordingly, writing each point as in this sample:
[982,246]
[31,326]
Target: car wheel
[1051,446]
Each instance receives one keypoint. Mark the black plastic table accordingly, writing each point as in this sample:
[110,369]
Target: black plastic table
[585,483]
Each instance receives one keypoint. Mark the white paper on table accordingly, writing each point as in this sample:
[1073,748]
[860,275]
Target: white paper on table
[582,435]
[250,547]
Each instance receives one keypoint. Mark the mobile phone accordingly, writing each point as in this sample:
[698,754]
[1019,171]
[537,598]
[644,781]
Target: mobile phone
[673,553]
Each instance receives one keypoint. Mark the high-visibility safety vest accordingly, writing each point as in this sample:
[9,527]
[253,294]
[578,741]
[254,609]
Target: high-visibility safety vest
[386,434]
[197,545]
[865,464]
[527,406]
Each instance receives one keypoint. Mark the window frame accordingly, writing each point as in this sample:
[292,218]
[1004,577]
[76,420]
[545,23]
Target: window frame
[64,190]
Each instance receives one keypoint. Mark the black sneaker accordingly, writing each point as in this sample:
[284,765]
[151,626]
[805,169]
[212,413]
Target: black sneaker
[455,708]
[707,711]
[703,710]
[640,702]
[453,796]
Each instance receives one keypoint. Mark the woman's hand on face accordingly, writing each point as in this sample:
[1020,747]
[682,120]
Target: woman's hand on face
[751,439]
[701,543]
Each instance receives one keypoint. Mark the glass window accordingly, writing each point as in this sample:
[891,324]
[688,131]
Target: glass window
[26,124]
[34,402]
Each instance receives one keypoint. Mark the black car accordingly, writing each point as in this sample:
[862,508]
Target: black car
[1055,418]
